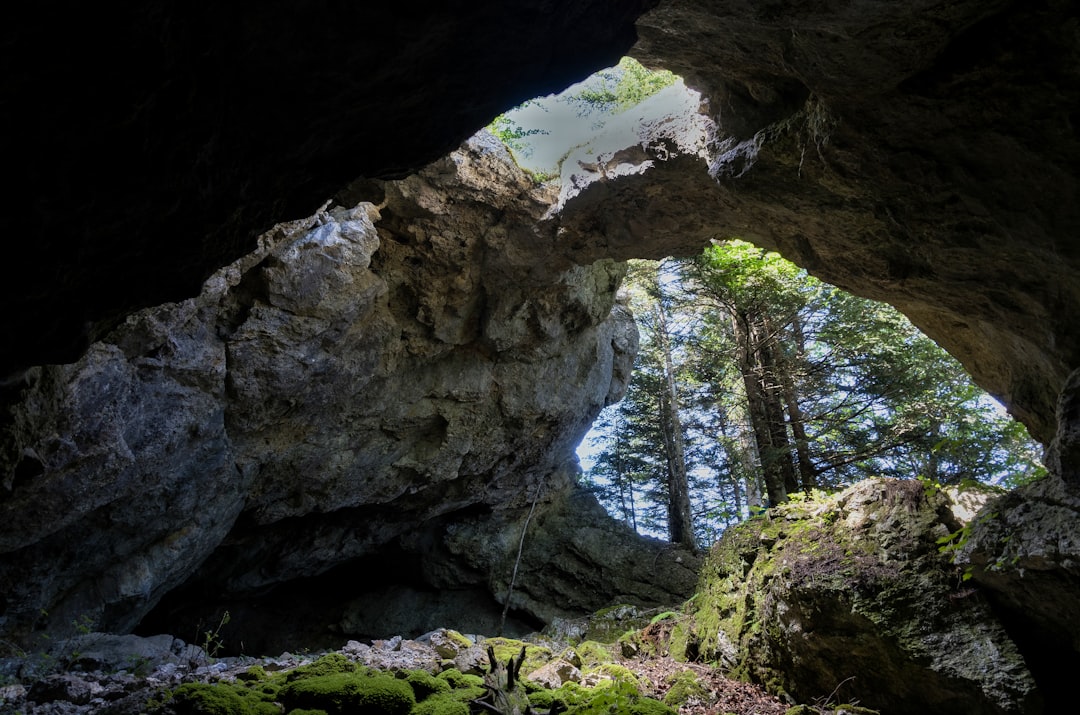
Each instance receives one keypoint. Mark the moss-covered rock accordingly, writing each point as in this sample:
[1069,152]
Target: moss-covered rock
[507,648]
[328,664]
[608,624]
[444,704]
[424,683]
[611,696]
[592,654]
[610,671]
[448,643]
[219,699]
[351,694]
[857,584]
[684,687]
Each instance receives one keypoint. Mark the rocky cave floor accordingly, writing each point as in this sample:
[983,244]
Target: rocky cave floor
[123,675]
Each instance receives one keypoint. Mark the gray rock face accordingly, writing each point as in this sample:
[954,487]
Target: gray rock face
[365,380]
[857,587]
[1024,549]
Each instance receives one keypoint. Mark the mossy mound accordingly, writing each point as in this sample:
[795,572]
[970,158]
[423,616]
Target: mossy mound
[220,699]
[592,654]
[612,696]
[856,583]
[350,694]
[507,648]
[328,664]
[684,688]
[424,684]
[443,704]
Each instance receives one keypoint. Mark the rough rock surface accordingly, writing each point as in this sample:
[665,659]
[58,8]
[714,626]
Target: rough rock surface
[408,374]
[922,153]
[1024,549]
[858,585]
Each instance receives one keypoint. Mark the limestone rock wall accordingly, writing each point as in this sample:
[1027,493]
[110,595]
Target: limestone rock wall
[359,377]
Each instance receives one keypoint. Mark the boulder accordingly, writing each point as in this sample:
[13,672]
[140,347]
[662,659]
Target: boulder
[855,596]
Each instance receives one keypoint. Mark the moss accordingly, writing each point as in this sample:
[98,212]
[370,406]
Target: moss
[219,699]
[328,664]
[424,683]
[459,639]
[507,648]
[352,693]
[614,671]
[592,654]
[444,704]
[679,642]
[648,706]
[544,699]
[608,624]
[464,686]
[684,687]
[615,696]
[254,673]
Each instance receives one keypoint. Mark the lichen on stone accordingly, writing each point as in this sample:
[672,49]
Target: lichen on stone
[855,584]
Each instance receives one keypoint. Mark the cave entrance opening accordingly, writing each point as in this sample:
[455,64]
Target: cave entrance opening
[754,381]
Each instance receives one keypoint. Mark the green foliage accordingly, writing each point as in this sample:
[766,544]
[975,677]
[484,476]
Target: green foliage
[512,134]
[853,389]
[622,87]
[212,642]
[350,693]
[614,697]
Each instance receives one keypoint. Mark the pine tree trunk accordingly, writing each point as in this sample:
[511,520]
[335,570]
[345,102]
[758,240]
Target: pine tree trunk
[796,419]
[765,407]
[680,517]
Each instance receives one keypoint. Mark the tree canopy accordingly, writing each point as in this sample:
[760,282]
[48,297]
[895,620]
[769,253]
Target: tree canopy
[778,383]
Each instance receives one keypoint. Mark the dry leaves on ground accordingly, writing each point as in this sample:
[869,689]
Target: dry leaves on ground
[725,695]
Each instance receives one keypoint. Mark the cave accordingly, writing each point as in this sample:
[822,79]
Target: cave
[922,154]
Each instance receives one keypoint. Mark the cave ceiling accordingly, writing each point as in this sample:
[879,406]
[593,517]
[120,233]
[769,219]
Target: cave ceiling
[922,153]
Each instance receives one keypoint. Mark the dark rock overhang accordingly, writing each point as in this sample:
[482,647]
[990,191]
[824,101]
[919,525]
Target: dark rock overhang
[151,149]
[148,144]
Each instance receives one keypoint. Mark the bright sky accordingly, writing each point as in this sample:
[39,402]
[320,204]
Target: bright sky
[566,129]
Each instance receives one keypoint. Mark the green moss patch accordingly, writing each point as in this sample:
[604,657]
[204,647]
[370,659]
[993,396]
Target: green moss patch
[424,684]
[445,704]
[328,664]
[684,688]
[350,693]
[507,648]
[220,699]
